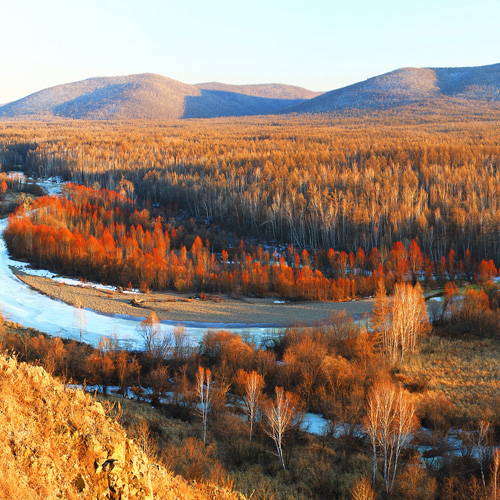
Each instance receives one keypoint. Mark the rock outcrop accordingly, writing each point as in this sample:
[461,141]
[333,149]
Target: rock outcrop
[58,442]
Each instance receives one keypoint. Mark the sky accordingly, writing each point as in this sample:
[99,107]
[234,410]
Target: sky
[317,44]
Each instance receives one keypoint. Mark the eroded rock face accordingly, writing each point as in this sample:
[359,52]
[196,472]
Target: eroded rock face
[60,443]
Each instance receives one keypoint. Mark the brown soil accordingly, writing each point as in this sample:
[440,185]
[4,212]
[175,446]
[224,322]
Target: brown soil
[175,307]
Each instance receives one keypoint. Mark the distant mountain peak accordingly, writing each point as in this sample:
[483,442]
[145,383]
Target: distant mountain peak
[406,86]
[151,96]
[154,97]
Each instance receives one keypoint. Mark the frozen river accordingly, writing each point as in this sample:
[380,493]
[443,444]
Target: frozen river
[19,303]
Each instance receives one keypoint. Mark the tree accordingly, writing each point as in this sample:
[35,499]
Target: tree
[495,467]
[389,422]
[126,367]
[182,348]
[203,380]
[362,490]
[157,343]
[253,384]
[100,364]
[80,320]
[279,415]
[401,323]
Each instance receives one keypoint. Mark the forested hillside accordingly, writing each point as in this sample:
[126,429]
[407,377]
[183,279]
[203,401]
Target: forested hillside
[343,183]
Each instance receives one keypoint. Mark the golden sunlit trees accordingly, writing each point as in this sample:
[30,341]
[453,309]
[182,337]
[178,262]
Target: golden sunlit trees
[252,384]
[390,420]
[400,320]
[362,490]
[312,182]
[279,415]
[204,394]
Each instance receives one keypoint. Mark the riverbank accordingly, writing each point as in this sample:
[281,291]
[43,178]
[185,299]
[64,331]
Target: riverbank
[173,307]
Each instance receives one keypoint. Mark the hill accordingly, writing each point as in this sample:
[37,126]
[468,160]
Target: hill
[59,443]
[151,97]
[438,87]
[266,90]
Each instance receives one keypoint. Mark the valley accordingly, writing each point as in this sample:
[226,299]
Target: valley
[176,263]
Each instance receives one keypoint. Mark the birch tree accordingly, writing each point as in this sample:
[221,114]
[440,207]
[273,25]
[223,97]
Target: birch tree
[80,320]
[203,380]
[402,321]
[252,386]
[279,415]
[389,422]
[495,467]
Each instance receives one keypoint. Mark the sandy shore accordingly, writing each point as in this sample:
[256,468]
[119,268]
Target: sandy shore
[174,307]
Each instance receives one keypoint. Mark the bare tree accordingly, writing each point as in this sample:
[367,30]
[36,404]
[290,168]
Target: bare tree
[402,322]
[157,343]
[480,444]
[389,422]
[279,415]
[80,320]
[203,380]
[253,384]
[495,467]
[126,367]
[182,348]
[372,426]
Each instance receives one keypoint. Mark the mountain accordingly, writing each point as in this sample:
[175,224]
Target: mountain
[435,86]
[154,97]
[149,96]
[60,443]
[266,90]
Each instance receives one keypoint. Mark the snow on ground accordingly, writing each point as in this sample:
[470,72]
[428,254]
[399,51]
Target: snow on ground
[315,424]
[21,304]
[43,273]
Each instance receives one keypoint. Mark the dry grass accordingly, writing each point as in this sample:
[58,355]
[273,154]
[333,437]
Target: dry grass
[465,372]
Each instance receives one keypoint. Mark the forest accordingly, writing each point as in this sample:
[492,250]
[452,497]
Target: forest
[304,207]
[307,208]
[315,183]
[98,233]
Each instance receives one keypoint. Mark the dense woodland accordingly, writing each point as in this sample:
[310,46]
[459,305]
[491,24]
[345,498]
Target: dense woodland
[340,201]
[315,183]
[100,233]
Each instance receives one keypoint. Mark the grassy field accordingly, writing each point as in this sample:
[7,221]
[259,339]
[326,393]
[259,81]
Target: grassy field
[460,376]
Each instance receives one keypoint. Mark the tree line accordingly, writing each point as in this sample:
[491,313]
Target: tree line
[99,233]
[312,182]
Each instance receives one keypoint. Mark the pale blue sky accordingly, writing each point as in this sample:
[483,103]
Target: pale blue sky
[317,44]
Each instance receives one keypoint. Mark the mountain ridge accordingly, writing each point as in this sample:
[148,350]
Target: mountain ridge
[404,86]
[149,96]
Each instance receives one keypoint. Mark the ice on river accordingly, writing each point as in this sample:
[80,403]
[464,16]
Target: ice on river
[19,303]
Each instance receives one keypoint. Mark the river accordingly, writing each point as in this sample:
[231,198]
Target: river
[21,304]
